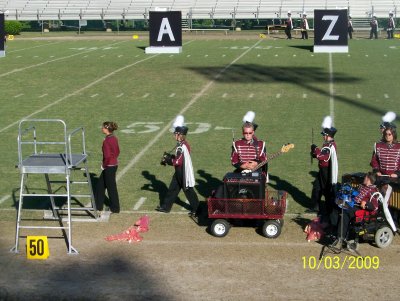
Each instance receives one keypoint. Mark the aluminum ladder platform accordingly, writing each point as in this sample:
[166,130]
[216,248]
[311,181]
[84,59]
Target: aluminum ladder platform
[53,155]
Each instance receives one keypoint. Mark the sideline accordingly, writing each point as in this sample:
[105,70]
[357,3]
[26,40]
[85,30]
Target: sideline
[185,108]
[55,60]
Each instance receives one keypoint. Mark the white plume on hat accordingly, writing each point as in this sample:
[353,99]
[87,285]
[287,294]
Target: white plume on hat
[389,117]
[327,122]
[249,117]
[179,120]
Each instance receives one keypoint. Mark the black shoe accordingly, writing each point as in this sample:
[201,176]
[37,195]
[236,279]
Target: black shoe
[192,214]
[161,209]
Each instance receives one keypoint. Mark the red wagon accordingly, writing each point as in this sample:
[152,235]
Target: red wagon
[271,209]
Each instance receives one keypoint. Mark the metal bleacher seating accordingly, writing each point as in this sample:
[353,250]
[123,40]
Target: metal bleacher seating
[191,9]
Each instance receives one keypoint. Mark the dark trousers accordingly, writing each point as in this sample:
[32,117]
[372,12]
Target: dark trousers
[322,187]
[175,187]
[288,32]
[304,34]
[344,220]
[107,181]
[390,34]
[374,32]
[350,31]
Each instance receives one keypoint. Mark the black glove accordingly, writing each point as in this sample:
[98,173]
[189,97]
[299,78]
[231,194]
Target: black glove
[313,147]
[167,159]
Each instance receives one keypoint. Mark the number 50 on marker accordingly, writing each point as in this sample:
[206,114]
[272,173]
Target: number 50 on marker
[37,247]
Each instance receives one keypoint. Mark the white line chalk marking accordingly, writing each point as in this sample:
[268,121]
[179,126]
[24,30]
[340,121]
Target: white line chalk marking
[4,198]
[139,203]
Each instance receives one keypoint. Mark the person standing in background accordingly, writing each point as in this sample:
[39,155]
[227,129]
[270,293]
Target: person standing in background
[390,26]
[109,168]
[374,28]
[304,27]
[289,26]
[350,28]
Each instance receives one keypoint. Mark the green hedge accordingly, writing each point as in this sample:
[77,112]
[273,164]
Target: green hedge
[12,27]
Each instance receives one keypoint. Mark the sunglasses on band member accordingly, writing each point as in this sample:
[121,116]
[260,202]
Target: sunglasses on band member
[248,133]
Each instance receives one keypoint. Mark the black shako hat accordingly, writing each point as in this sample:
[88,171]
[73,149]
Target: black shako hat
[179,127]
[329,132]
[181,130]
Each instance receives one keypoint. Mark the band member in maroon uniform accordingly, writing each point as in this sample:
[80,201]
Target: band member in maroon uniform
[325,182]
[390,26]
[304,27]
[109,168]
[350,28]
[248,151]
[374,28]
[289,26]
[183,177]
[367,200]
[385,160]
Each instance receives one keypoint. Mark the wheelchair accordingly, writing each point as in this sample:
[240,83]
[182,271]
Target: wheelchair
[377,228]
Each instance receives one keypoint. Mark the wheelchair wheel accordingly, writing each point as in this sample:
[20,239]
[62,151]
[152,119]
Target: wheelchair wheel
[383,237]
[271,229]
[220,228]
[352,245]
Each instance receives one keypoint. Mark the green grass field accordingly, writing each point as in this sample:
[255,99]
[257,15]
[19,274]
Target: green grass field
[213,83]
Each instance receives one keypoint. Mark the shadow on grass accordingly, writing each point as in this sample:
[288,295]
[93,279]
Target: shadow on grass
[302,76]
[207,184]
[112,275]
[298,196]
[161,188]
[304,47]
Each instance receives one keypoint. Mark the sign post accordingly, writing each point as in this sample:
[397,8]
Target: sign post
[2,36]
[165,32]
[330,31]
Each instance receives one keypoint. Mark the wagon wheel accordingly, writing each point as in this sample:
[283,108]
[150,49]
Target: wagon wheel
[271,229]
[220,228]
[383,237]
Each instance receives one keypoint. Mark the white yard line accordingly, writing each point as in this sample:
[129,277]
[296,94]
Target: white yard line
[76,92]
[4,198]
[29,48]
[331,91]
[188,105]
[55,60]
[139,203]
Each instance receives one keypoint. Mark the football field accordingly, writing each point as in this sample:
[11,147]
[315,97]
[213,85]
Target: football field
[213,83]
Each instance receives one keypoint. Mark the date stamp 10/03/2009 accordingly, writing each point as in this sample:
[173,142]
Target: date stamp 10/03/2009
[341,263]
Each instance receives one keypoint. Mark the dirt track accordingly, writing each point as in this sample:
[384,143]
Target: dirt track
[179,260]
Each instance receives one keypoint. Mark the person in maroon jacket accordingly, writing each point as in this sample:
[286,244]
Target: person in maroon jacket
[325,182]
[304,27]
[248,151]
[385,159]
[183,178]
[289,26]
[390,26]
[109,168]
[367,199]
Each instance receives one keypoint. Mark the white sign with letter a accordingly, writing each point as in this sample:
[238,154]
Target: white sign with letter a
[165,32]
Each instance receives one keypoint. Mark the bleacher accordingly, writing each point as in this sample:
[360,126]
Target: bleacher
[191,9]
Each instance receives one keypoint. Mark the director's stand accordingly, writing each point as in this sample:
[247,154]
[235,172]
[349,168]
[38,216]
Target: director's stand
[53,156]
